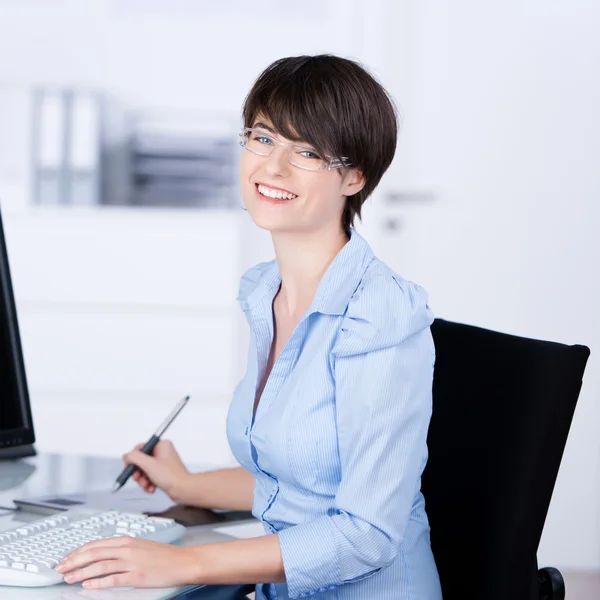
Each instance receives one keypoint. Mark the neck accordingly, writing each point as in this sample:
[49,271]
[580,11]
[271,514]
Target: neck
[302,259]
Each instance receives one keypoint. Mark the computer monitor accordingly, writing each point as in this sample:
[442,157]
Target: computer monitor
[16,426]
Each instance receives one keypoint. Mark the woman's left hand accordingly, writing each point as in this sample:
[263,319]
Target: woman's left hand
[126,561]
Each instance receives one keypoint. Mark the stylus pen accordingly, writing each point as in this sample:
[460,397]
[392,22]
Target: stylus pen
[129,470]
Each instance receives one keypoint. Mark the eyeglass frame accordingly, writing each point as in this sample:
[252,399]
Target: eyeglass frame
[334,163]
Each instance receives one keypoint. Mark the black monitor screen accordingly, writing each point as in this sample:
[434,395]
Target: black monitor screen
[16,428]
[11,413]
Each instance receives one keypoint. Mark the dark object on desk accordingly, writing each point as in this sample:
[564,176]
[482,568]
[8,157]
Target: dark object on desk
[190,516]
[502,408]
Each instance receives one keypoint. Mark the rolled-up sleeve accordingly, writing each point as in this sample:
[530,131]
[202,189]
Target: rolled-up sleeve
[383,372]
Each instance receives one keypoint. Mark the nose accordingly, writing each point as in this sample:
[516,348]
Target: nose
[277,162]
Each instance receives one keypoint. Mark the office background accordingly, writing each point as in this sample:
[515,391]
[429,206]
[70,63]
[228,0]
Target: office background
[127,303]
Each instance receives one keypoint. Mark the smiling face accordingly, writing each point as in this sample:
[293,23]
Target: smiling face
[282,197]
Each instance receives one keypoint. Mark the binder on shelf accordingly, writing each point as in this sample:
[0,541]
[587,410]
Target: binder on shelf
[49,147]
[15,146]
[83,149]
[67,147]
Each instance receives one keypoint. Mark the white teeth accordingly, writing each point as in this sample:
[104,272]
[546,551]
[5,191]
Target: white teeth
[265,191]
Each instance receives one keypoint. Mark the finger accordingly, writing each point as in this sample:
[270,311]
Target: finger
[137,447]
[144,481]
[140,460]
[93,551]
[97,569]
[110,581]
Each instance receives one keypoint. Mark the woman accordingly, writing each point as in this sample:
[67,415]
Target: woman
[330,421]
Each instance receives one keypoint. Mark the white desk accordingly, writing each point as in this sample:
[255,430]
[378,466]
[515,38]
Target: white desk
[61,474]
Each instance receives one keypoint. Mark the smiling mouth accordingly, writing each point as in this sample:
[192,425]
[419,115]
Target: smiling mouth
[274,194]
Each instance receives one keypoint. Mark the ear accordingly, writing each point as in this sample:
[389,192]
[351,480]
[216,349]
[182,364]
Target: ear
[353,182]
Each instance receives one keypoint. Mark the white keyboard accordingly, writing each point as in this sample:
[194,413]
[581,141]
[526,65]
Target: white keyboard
[29,553]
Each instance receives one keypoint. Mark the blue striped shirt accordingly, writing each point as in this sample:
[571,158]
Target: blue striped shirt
[338,442]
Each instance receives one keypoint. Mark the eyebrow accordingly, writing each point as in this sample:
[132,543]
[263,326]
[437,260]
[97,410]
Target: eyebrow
[261,125]
[264,126]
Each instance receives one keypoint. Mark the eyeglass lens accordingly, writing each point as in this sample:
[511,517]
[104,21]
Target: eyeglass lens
[262,143]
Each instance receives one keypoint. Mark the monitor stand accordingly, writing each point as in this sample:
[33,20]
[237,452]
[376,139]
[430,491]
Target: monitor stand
[17,452]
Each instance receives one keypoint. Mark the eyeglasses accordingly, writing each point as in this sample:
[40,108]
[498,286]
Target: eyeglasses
[262,143]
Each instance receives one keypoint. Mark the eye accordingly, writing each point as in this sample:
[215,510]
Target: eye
[261,138]
[309,154]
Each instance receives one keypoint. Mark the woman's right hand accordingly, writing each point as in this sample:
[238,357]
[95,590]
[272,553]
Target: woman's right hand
[163,469]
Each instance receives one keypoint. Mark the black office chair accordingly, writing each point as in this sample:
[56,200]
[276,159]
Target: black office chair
[502,408]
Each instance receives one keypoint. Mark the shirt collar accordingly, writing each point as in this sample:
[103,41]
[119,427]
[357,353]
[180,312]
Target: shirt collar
[335,288]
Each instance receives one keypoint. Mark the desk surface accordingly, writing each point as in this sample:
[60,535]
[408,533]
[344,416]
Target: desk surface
[61,474]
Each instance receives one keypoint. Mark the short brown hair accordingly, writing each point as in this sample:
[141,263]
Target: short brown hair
[335,105]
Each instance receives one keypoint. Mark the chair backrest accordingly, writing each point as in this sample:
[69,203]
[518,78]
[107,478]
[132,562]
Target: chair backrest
[502,408]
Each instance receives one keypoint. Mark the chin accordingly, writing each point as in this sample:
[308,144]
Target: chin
[271,217]
[273,223]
